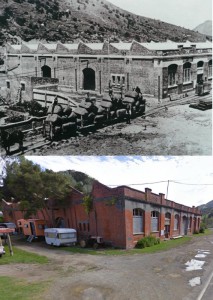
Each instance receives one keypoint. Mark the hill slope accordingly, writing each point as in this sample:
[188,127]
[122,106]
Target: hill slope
[81,181]
[88,20]
[207,208]
[205,28]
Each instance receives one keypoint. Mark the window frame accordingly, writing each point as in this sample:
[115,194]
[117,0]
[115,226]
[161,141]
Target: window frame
[155,216]
[138,220]
[187,74]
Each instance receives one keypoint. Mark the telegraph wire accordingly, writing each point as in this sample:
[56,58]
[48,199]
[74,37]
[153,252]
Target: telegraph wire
[190,183]
[163,181]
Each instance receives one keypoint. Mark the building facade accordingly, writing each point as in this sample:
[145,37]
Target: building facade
[159,69]
[120,215]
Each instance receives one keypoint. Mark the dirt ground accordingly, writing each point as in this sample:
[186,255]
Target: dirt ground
[178,131]
[161,275]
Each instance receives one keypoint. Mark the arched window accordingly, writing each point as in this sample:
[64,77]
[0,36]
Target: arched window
[154,220]
[46,71]
[168,216]
[172,74]
[138,220]
[176,222]
[200,64]
[187,72]
[210,69]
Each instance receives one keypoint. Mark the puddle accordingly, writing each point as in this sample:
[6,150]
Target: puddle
[195,281]
[194,264]
[200,255]
[199,250]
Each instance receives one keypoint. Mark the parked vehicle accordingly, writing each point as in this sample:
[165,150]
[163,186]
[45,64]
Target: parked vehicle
[32,228]
[8,225]
[3,236]
[92,241]
[60,236]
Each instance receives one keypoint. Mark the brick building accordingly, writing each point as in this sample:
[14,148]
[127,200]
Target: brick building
[120,215]
[159,69]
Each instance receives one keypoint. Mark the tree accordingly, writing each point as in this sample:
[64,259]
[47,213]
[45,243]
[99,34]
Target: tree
[34,188]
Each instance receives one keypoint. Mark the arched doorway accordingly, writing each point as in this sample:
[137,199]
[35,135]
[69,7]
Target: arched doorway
[167,224]
[89,79]
[184,225]
[46,71]
[200,71]
[60,222]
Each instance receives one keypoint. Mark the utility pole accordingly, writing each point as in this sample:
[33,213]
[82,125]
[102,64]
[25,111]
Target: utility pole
[167,191]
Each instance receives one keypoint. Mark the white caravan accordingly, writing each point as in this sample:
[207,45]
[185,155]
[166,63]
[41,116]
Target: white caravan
[60,236]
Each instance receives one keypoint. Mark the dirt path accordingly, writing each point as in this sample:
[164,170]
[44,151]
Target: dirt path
[145,276]
[178,131]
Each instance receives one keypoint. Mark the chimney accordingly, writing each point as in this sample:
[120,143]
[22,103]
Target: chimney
[162,198]
[148,194]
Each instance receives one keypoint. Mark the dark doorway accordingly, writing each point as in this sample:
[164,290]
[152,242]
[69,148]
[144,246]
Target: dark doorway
[199,78]
[46,71]
[89,79]
[32,227]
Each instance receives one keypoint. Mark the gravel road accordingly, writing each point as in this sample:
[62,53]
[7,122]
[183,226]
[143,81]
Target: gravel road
[161,275]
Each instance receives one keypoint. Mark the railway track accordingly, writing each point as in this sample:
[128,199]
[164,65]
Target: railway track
[39,142]
[183,101]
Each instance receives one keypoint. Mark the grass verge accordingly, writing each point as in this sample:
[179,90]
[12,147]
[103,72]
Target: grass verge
[207,232]
[21,256]
[16,289]
[163,246]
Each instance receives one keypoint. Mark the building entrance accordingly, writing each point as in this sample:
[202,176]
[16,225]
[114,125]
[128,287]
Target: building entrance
[46,71]
[89,79]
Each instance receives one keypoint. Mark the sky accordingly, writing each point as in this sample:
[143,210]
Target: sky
[185,13]
[140,171]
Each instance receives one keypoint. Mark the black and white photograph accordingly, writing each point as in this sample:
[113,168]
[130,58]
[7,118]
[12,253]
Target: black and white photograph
[106,77]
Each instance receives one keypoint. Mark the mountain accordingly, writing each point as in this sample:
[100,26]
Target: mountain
[207,208]
[205,28]
[207,212]
[86,20]
[80,180]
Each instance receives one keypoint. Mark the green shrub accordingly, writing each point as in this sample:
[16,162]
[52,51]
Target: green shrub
[202,230]
[147,241]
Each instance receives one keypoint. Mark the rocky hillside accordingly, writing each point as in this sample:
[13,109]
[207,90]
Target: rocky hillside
[81,181]
[207,208]
[88,20]
[205,28]
[207,212]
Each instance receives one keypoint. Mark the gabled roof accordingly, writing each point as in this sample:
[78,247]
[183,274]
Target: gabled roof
[104,48]
[95,46]
[122,46]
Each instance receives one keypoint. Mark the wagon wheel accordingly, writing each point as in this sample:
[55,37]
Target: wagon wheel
[95,246]
[83,243]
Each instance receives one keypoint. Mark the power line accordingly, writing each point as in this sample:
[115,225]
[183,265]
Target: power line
[191,183]
[163,181]
[140,183]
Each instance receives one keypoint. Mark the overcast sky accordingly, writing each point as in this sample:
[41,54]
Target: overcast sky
[185,13]
[126,170]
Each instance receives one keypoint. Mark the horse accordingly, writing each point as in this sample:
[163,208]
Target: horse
[8,139]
